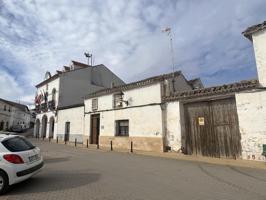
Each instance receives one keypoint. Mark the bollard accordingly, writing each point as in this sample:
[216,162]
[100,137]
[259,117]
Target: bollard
[98,147]
[75,142]
[57,139]
[131,146]
[87,143]
[111,143]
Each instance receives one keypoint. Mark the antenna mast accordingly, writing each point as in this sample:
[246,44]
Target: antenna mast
[169,33]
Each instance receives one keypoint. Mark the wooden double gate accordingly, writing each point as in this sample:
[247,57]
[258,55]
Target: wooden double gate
[212,128]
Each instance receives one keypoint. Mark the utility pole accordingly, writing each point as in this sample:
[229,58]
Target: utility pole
[169,34]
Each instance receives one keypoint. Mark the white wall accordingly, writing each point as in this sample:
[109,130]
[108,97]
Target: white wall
[143,121]
[49,115]
[136,97]
[251,109]
[76,118]
[54,84]
[14,116]
[173,124]
[259,43]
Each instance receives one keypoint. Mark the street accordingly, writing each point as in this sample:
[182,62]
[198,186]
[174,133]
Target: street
[76,173]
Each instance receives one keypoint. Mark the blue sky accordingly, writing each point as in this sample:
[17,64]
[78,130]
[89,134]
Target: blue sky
[40,36]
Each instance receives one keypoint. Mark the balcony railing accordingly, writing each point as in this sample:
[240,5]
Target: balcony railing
[38,108]
[44,107]
[51,105]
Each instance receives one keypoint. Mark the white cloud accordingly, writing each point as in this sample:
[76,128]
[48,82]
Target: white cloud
[125,36]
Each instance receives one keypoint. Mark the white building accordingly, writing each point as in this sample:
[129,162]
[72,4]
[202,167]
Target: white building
[12,114]
[132,112]
[168,112]
[67,88]
[224,121]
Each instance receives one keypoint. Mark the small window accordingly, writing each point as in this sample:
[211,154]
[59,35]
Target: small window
[122,128]
[9,109]
[118,100]
[4,107]
[94,104]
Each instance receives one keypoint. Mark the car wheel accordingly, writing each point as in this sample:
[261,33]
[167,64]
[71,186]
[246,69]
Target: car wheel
[4,185]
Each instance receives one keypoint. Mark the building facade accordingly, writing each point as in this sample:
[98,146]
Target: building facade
[13,114]
[132,113]
[167,112]
[67,88]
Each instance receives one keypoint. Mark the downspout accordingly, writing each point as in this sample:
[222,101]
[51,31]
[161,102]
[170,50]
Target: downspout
[164,91]
[164,125]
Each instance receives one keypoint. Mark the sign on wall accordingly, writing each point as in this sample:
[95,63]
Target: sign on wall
[201,121]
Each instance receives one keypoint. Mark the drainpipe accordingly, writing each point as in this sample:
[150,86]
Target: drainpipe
[164,125]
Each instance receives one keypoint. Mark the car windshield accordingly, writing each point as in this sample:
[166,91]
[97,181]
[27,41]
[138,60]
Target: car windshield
[16,144]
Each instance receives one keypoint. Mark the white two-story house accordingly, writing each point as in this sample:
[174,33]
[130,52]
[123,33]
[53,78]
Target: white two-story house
[13,114]
[67,88]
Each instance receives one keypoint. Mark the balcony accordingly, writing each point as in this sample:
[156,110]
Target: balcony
[38,108]
[44,107]
[51,105]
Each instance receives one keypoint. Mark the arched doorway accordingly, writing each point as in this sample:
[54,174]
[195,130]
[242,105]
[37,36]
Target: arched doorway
[44,126]
[51,127]
[37,128]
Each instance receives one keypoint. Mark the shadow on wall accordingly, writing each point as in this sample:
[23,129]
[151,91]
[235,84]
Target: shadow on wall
[54,181]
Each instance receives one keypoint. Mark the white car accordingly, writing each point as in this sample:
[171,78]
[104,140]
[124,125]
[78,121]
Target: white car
[19,160]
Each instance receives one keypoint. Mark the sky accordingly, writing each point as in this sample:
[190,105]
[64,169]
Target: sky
[126,36]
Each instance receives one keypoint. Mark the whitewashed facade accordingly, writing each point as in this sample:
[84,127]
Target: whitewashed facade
[13,114]
[67,88]
[73,117]
[149,125]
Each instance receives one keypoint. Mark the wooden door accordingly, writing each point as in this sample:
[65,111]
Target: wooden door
[95,129]
[212,128]
[67,131]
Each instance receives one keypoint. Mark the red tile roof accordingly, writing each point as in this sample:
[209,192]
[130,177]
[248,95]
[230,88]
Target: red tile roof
[216,90]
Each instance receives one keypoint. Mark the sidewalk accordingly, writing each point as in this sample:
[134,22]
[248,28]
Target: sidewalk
[174,155]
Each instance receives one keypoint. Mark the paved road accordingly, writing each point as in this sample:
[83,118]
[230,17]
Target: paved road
[76,174]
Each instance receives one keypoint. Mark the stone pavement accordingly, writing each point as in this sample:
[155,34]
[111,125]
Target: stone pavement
[80,173]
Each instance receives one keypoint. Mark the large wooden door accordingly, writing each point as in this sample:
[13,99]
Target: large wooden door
[212,128]
[95,129]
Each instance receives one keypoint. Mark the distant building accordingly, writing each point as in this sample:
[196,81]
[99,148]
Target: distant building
[67,88]
[12,113]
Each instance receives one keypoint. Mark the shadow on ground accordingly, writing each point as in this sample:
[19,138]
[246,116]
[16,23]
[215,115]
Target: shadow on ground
[47,182]
[55,160]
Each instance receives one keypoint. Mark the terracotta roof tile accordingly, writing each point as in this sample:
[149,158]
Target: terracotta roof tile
[250,30]
[133,85]
[216,90]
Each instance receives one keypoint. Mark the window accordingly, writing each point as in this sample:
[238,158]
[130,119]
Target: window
[118,100]
[122,127]
[53,94]
[16,144]
[94,104]
[9,109]
[4,107]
